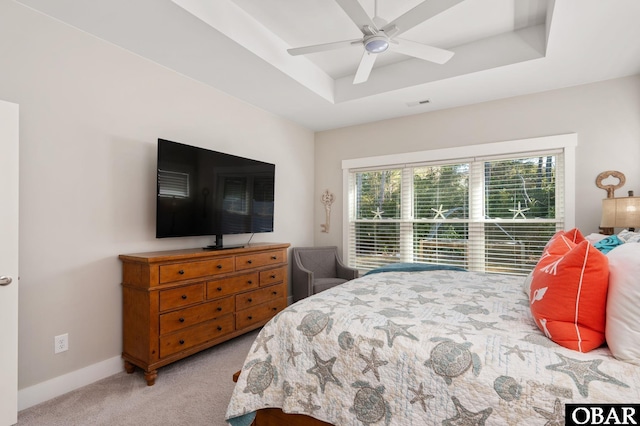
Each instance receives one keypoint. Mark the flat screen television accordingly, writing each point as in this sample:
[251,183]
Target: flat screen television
[204,192]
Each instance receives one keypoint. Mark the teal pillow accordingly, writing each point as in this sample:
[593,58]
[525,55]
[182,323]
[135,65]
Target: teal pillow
[413,267]
[607,244]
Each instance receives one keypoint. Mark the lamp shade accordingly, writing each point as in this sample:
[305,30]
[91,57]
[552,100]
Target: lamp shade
[621,212]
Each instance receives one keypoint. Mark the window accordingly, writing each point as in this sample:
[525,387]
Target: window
[491,212]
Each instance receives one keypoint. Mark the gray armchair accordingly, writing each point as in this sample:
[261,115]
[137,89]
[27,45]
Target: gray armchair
[315,269]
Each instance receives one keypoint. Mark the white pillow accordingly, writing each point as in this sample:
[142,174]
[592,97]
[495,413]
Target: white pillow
[629,236]
[623,299]
[594,238]
[526,285]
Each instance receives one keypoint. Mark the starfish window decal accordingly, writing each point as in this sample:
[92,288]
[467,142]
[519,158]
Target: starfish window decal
[440,211]
[519,211]
[377,213]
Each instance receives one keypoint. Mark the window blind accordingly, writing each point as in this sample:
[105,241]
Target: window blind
[491,215]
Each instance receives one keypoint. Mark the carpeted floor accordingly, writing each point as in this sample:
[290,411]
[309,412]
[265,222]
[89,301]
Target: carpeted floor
[194,391]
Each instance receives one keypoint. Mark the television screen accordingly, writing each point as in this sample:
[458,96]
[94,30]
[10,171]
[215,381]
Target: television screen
[205,192]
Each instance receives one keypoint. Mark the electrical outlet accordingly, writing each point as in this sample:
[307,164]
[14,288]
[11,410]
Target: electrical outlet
[61,343]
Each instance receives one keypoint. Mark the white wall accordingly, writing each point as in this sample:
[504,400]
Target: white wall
[605,115]
[90,115]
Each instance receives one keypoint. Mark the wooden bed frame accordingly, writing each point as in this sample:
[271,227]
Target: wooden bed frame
[276,417]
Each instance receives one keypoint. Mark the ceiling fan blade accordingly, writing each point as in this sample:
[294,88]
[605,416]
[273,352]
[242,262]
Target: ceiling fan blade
[421,51]
[365,67]
[324,47]
[358,15]
[425,10]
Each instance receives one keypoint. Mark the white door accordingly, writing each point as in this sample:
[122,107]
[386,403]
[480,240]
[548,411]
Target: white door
[8,263]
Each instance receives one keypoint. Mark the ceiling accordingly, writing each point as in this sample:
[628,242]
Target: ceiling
[502,48]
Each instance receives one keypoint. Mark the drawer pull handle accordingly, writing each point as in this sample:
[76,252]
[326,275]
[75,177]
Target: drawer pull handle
[181,271]
[249,300]
[219,266]
[219,328]
[275,309]
[249,261]
[181,342]
[250,282]
[250,317]
[181,319]
[219,308]
[274,257]
[219,289]
[184,297]
[274,293]
[273,276]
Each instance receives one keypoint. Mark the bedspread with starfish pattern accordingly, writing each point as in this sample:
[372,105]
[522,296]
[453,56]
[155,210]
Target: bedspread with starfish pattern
[422,348]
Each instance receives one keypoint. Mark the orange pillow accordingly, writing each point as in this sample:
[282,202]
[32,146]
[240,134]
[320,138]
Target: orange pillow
[574,235]
[569,294]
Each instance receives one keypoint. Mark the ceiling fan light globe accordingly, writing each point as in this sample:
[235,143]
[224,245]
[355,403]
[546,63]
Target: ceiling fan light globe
[376,44]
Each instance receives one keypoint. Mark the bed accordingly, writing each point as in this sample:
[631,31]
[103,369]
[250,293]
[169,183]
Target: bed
[437,347]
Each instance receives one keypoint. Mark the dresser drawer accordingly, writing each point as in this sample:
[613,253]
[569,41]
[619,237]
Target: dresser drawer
[257,260]
[181,296]
[256,297]
[188,270]
[189,337]
[224,287]
[187,317]
[260,313]
[272,276]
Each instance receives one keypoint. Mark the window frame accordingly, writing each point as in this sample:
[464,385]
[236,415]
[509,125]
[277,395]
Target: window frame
[496,150]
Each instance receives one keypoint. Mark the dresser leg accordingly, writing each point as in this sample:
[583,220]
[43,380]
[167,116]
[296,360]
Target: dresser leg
[128,367]
[150,377]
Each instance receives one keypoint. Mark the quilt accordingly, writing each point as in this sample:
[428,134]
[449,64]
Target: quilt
[438,347]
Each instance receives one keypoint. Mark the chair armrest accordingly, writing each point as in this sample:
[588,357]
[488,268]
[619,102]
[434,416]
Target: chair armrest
[345,272]
[302,282]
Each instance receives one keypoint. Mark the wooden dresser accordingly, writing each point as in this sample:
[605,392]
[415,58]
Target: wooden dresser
[179,302]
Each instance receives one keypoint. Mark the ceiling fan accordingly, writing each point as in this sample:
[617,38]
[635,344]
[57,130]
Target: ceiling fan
[379,36]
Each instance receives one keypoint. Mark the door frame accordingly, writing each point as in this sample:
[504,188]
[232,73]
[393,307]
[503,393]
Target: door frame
[9,197]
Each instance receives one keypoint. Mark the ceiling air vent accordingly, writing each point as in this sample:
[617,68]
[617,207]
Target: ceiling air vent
[412,104]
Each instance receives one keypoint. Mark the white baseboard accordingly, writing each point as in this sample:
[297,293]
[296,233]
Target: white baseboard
[34,395]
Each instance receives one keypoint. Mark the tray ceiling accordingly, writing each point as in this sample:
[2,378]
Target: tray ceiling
[502,48]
